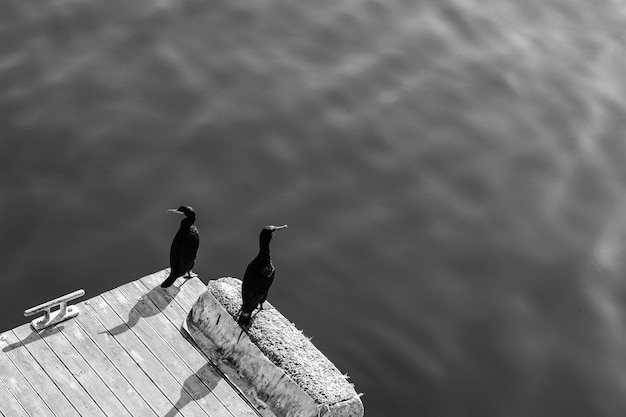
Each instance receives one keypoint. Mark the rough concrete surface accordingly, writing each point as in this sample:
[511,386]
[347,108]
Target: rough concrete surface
[283,368]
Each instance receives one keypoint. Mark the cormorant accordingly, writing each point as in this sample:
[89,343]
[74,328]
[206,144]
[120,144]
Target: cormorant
[184,246]
[258,277]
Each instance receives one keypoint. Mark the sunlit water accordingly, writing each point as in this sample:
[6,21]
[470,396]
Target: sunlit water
[452,174]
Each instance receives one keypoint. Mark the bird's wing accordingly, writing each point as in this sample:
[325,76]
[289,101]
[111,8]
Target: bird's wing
[189,249]
[255,286]
[268,282]
[247,289]
[268,272]
[192,242]
[175,255]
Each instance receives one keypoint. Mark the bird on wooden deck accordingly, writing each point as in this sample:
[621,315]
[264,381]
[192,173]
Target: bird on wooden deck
[258,277]
[184,246]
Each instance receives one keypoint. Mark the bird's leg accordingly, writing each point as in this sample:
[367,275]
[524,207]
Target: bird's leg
[240,334]
[262,302]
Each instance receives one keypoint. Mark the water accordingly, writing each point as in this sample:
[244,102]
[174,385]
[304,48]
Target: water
[451,173]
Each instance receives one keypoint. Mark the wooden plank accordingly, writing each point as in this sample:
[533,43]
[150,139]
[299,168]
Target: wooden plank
[195,360]
[9,404]
[83,372]
[104,368]
[15,350]
[21,389]
[146,358]
[193,391]
[123,362]
[185,294]
[123,356]
[62,377]
[184,298]
[155,279]
[231,402]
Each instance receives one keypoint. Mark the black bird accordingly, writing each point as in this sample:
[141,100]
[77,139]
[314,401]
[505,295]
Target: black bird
[258,277]
[184,246]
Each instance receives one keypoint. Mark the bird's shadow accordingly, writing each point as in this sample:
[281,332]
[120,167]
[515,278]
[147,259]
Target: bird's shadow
[150,304]
[196,387]
[33,337]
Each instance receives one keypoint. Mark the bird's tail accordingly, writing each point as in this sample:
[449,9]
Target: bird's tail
[169,281]
[244,319]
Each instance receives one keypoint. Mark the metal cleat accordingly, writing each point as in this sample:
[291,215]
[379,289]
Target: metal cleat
[50,318]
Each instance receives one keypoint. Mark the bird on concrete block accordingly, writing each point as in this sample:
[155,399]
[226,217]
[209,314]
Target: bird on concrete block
[184,246]
[258,277]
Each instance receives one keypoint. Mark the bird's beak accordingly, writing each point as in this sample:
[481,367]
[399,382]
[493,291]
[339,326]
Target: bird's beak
[284,226]
[175,211]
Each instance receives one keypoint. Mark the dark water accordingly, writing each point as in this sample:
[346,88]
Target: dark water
[452,173]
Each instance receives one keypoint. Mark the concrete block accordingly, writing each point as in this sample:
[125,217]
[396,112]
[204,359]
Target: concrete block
[278,365]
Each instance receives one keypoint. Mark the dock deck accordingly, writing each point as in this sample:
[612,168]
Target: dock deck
[124,355]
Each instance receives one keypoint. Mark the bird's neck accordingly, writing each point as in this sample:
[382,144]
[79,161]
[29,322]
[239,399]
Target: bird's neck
[264,248]
[187,222]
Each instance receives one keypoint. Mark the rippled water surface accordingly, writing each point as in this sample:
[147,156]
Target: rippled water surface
[452,173]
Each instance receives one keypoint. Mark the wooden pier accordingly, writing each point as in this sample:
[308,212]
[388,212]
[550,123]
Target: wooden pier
[123,355]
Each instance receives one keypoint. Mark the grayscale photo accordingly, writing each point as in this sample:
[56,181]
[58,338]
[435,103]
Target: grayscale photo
[271,208]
